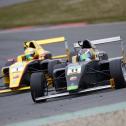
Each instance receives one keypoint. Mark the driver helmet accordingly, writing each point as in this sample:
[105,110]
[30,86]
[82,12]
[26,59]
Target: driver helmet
[85,55]
[30,53]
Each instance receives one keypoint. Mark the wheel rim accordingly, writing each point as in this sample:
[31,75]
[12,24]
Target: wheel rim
[124,71]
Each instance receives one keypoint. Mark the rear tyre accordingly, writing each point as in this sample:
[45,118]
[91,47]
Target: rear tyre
[38,86]
[118,73]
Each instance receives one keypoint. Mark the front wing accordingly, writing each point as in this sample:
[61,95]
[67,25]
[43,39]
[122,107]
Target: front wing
[68,94]
[3,91]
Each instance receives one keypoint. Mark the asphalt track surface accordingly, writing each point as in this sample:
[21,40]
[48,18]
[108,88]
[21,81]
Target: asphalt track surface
[19,107]
[4,3]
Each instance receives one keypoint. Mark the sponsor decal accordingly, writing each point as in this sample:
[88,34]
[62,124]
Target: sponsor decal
[72,87]
[75,69]
[15,77]
[17,67]
[73,78]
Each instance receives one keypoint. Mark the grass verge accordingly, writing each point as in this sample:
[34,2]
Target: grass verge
[46,12]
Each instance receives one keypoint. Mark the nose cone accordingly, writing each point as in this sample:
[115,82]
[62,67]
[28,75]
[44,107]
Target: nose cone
[73,72]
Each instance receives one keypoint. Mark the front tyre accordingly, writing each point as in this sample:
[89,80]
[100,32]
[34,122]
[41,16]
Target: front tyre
[38,85]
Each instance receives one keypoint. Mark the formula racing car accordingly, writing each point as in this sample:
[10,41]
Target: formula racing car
[91,71]
[17,72]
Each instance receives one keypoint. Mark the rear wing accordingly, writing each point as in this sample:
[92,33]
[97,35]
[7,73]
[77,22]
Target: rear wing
[54,41]
[50,41]
[102,41]
[106,40]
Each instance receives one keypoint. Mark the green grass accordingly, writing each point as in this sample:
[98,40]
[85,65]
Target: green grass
[46,12]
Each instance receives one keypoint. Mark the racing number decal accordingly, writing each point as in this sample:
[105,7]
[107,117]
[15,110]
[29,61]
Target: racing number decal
[74,70]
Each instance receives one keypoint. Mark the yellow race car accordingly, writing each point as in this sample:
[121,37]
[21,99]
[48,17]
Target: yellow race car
[16,73]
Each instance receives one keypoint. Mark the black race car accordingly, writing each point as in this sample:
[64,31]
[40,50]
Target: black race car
[75,77]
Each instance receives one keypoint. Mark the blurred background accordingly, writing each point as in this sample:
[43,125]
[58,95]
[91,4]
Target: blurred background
[17,13]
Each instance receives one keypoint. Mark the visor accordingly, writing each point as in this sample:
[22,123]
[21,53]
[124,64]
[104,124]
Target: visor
[29,56]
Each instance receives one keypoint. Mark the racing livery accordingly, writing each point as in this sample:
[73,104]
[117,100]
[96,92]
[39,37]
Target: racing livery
[93,71]
[16,72]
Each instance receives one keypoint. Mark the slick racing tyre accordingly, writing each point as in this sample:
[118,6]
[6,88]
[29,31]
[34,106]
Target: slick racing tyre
[118,73]
[38,85]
